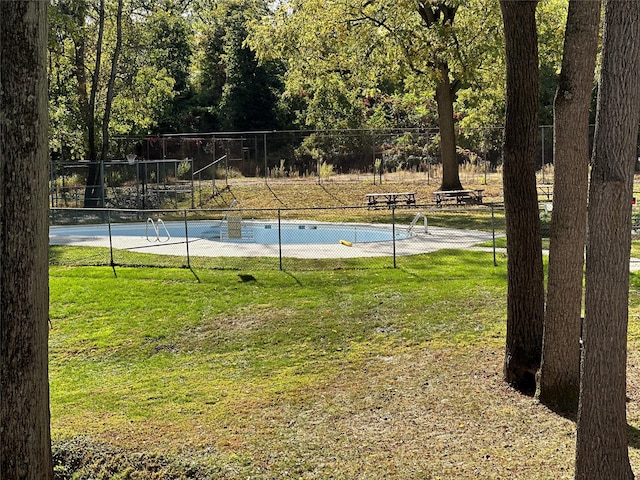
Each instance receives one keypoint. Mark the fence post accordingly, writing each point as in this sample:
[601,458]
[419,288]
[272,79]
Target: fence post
[186,238]
[266,163]
[280,238]
[113,265]
[393,232]
[493,236]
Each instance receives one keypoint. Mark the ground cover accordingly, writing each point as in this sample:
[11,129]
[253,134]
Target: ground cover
[338,191]
[343,373]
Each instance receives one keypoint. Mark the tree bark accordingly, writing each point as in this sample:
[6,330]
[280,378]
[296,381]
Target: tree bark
[525,287]
[442,15]
[25,445]
[601,443]
[559,378]
[93,191]
[445,95]
[112,82]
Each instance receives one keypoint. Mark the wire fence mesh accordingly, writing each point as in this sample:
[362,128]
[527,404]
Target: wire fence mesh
[179,169]
[258,239]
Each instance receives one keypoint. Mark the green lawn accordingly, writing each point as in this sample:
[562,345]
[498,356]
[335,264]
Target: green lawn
[346,373]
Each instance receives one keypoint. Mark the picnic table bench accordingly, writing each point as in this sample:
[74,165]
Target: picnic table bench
[545,190]
[374,200]
[459,196]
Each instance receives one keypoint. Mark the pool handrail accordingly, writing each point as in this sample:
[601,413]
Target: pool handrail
[415,220]
[156,229]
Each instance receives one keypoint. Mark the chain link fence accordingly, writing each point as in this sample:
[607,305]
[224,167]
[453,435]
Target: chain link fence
[273,239]
[182,169]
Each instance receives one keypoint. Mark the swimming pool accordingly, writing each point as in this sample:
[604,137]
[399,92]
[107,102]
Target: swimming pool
[247,231]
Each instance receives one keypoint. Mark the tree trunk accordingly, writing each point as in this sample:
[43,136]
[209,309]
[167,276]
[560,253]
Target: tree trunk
[112,82]
[559,379]
[94,189]
[525,288]
[25,445]
[601,443]
[444,98]
[81,90]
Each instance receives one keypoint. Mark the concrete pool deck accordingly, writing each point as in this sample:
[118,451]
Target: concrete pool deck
[437,238]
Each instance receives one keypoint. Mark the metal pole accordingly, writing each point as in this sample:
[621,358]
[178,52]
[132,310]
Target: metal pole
[393,232]
[213,169]
[373,154]
[102,190]
[193,193]
[186,238]
[266,165]
[543,179]
[113,265]
[138,184]
[280,238]
[242,155]
[226,168]
[144,185]
[52,168]
[493,234]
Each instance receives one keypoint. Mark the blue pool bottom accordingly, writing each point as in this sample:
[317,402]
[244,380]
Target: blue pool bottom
[265,233]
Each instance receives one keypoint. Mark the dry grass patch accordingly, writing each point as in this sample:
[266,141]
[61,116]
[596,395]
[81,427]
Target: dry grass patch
[340,190]
[423,413]
[441,413]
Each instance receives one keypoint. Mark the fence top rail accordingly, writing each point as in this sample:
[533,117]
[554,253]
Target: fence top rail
[199,211]
[106,163]
[210,165]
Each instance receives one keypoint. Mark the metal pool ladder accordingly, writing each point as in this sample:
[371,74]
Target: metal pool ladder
[156,228]
[415,220]
[233,218]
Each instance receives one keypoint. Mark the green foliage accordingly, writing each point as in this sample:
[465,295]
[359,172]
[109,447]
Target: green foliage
[245,94]
[184,168]
[177,71]
[280,171]
[143,103]
[326,170]
[251,64]
[343,55]
[169,43]
[551,17]
[148,72]
[80,457]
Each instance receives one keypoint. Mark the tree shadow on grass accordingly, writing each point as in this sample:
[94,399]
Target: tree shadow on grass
[562,412]
[334,197]
[633,435]
[294,277]
[274,194]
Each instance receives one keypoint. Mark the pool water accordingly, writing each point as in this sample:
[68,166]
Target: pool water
[266,233]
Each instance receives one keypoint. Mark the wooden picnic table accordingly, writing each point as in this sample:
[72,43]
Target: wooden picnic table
[546,190]
[390,199]
[459,196]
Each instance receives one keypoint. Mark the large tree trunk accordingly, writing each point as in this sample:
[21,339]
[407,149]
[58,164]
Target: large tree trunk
[25,445]
[94,193]
[525,288]
[442,15]
[112,83]
[559,379]
[445,95]
[602,445]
